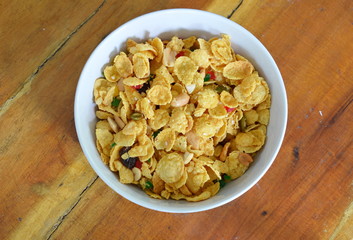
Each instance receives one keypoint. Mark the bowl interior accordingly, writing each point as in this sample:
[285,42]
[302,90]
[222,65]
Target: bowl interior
[182,23]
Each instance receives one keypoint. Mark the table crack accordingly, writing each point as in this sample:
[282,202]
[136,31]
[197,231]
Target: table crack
[25,86]
[62,218]
[236,8]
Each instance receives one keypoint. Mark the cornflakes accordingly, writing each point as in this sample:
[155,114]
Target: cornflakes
[161,118]
[165,139]
[170,168]
[207,98]
[238,70]
[189,42]
[200,58]
[111,73]
[145,106]
[178,121]
[141,65]
[123,65]
[251,141]
[180,118]
[159,95]
[185,69]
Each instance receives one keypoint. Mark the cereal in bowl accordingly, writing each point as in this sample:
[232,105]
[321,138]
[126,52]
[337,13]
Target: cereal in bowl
[181,117]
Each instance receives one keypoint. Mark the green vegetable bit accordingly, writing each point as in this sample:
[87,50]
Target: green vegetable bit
[116,101]
[136,116]
[156,133]
[222,183]
[149,160]
[152,76]
[242,124]
[149,185]
[227,177]
[113,145]
[220,89]
[207,77]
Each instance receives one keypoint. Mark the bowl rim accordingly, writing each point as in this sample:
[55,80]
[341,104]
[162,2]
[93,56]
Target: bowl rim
[141,202]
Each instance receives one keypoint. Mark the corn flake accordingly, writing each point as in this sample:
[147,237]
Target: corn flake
[264,116]
[103,115]
[178,121]
[162,81]
[238,70]
[197,176]
[207,98]
[126,175]
[204,45]
[123,65]
[176,44]
[218,112]
[134,81]
[221,50]
[185,69]
[145,106]
[158,184]
[180,144]
[200,58]
[159,95]
[189,42]
[170,168]
[141,65]
[162,71]
[158,46]
[111,74]
[228,100]
[251,117]
[161,118]
[251,141]
[124,140]
[165,139]
[207,126]
[235,167]
[104,137]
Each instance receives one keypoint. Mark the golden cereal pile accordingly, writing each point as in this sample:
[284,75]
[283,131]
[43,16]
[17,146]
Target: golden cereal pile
[180,118]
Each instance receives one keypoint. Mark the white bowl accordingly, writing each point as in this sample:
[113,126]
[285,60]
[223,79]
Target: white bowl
[181,23]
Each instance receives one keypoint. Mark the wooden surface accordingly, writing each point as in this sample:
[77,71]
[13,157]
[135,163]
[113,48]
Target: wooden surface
[49,191]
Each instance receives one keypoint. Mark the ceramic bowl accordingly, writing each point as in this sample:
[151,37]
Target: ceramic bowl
[181,23]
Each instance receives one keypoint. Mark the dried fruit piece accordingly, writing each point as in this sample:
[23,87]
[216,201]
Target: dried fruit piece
[128,162]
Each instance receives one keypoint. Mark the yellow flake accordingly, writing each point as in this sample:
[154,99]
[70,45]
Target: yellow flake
[141,65]
[123,65]
[185,69]
[159,95]
[170,168]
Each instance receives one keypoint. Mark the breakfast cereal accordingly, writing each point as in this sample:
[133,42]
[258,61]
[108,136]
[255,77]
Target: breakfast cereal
[180,118]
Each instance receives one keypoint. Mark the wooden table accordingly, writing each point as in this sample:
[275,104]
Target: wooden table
[48,189]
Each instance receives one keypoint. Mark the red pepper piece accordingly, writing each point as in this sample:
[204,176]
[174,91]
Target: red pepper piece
[212,75]
[229,109]
[138,164]
[137,86]
[180,54]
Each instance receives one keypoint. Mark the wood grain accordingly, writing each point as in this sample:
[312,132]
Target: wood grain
[31,33]
[41,161]
[49,191]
